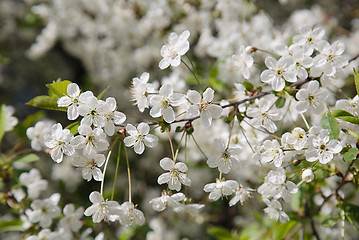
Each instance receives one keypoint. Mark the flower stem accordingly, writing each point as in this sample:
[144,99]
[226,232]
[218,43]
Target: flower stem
[129,177]
[172,151]
[193,73]
[199,148]
[104,172]
[117,164]
[178,147]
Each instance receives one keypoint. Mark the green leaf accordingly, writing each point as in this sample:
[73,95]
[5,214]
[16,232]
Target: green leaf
[2,121]
[46,102]
[356,80]
[216,84]
[341,113]
[103,92]
[73,127]
[58,88]
[351,154]
[220,233]
[281,230]
[352,210]
[11,226]
[345,116]
[249,86]
[251,231]
[330,123]
[280,102]
[27,158]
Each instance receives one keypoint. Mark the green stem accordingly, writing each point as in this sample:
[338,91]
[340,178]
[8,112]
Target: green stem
[117,165]
[172,151]
[104,172]
[199,148]
[179,145]
[193,73]
[129,177]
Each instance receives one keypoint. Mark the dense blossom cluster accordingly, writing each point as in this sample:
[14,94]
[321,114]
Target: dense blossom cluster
[267,125]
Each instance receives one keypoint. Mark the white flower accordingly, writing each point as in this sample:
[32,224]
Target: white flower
[274,210]
[36,134]
[176,47]
[309,39]
[128,214]
[297,138]
[163,103]
[159,204]
[111,116]
[242,61]
[10,121]
[223,157]
[307,175]
[203,106]
[102,210]
[59,142]
[45,234]
[32,180]
[89,164]
[272,153]
[329,60]
[139,137]
[322,148]
[175,176]
[242,194]
[312,98]
[278,72]
[301,62]
[92,111]
[72,100]
[139,90]
[264,114]
[91,140]
[71,219]
[191,209]
[43,211]
[220,188]
[18,194]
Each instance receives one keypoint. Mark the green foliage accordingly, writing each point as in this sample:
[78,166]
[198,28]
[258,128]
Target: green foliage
[220,233]
[103,92]
[345,116]
[11,226]
[281,230]
[280,102]
[27,158]
[73,127]
[356,80]
[351,154]
[330,123]
[249,86]
[46,102]
[56,90]
[352,211]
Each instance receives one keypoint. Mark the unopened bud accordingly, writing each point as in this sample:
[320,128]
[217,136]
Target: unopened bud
[308,175]
[251,49]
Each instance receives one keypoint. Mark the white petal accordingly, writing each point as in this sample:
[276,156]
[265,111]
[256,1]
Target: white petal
[167,163]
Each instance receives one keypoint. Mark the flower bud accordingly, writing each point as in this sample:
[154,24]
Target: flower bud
[308,175]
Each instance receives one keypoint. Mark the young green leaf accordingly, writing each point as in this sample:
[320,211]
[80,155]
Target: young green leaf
[220,233]
[356,80]
[280,102]
[46,102]
[281,230]
[27,158]
[330,123]
[73,127]
[351,154]
[58,89]
[103,92]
